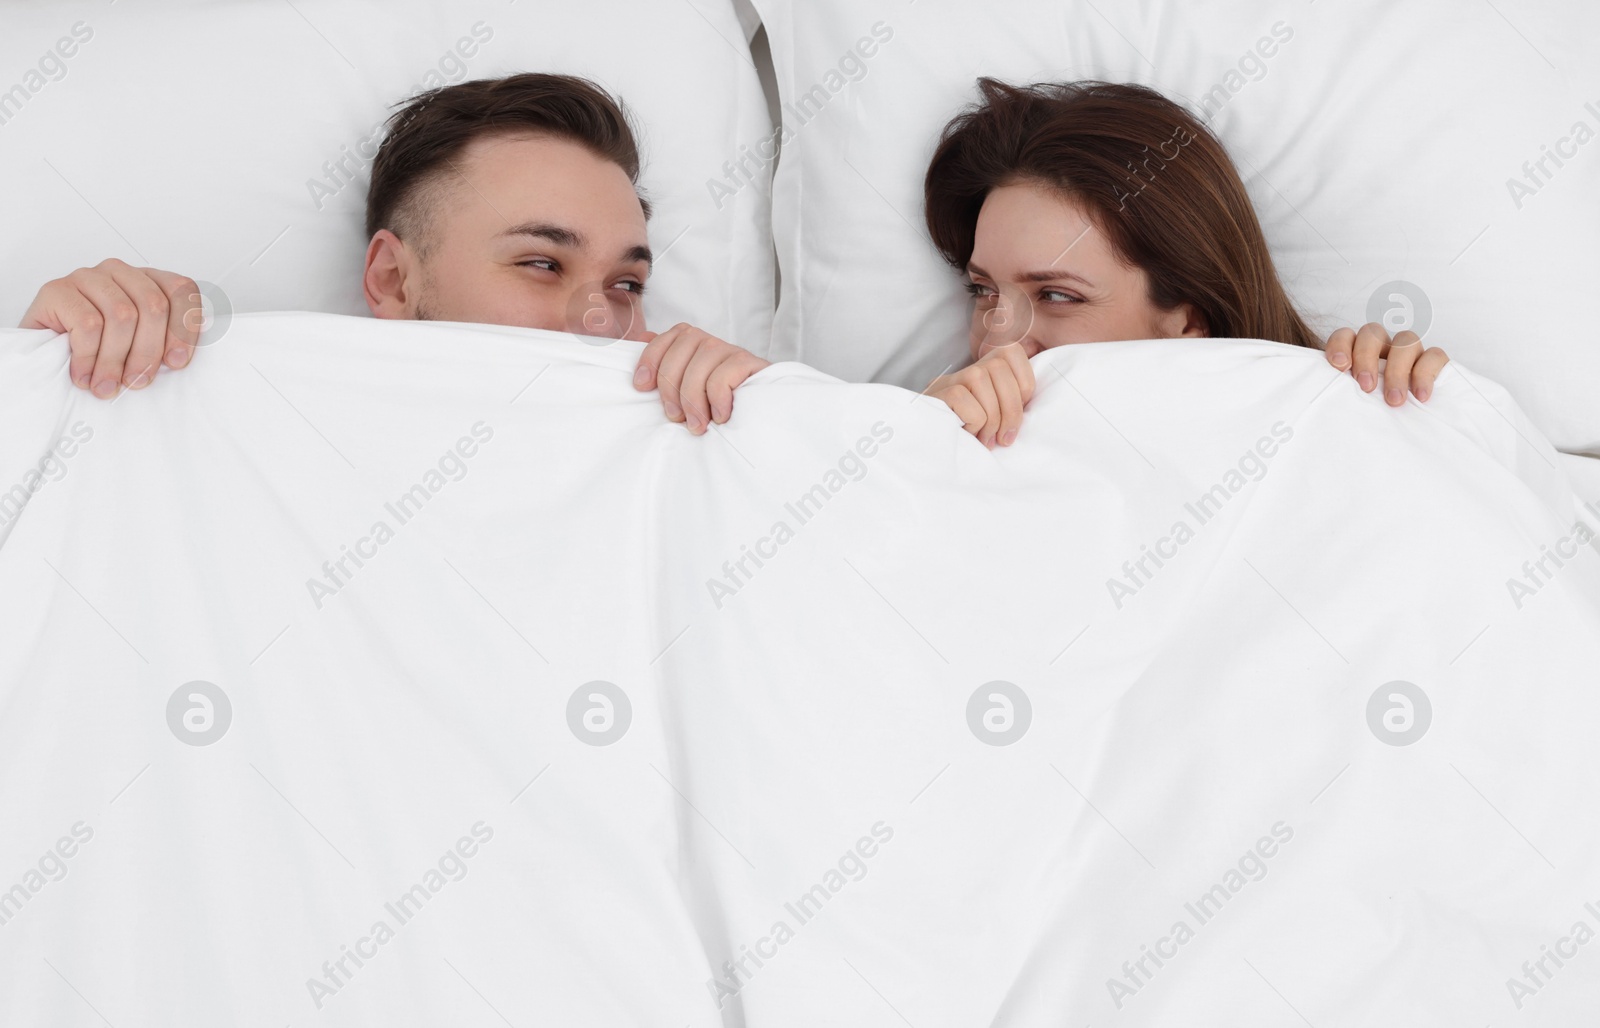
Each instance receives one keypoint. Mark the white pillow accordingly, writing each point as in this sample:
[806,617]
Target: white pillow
[197,137]
[1378,141]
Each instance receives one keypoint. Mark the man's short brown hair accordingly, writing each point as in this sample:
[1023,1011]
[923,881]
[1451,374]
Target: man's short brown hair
[427,135]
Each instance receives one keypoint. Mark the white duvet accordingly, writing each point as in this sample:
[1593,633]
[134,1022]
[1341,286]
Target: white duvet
[422,674]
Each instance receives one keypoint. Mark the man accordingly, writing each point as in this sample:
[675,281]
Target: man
[506,202]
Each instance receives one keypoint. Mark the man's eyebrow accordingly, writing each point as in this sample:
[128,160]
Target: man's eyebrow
[1047,275]
[567,237]
[545,230]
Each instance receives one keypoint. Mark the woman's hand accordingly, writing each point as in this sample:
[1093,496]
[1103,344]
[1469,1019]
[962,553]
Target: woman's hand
[990,395]
[1408,363]
[696,373]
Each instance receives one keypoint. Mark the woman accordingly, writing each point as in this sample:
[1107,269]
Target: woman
[1092,212]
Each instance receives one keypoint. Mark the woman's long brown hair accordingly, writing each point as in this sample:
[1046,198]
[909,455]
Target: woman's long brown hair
[1151,176]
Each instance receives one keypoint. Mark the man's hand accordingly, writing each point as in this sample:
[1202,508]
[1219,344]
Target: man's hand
[1408,363]
[122,323]
[696,373]
[989,396]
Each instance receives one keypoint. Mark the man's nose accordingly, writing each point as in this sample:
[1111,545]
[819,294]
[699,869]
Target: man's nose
[590,313]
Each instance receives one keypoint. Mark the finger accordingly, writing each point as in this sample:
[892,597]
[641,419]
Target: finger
[186,314]
[692,390]
[728,376]
[960,399]
[119,316]
[1009,395]
[1339,346]
[669,374]
[1369,346]
[1021,368]
[149,331]
[981,386]
[62,307]
[1426,371]
[644,375]
[45,310]
[1404,350]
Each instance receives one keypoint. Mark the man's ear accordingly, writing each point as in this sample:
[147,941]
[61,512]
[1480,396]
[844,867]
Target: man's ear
[1182,321]
[392,277]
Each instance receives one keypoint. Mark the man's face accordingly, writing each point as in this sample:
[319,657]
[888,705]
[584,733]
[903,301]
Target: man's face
[531,231]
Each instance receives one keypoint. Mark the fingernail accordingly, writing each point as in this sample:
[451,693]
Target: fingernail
[1366,380]
[105,389]
[82,381]
[1395,397]
[1423,393]
[641,375]
[674,412]
[1340,360]
[1008,436]
[177,357]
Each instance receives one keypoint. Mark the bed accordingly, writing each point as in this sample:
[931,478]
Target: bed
[343,684]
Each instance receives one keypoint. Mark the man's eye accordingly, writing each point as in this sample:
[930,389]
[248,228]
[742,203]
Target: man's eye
[636,288]
[540,262]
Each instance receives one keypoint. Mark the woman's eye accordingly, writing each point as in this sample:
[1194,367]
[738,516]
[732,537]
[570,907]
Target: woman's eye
[1057,296]
[980,292]
[636,288]
[540,262]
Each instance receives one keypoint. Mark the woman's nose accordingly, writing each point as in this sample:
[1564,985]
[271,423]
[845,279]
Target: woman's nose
[1008,321]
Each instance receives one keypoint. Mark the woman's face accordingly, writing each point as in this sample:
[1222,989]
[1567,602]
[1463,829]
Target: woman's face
[1042,275]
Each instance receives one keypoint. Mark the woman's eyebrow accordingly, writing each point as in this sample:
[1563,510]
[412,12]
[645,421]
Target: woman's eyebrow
[1047,275]
[1053,275]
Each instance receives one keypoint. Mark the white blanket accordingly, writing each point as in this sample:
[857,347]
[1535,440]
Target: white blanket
[418,674]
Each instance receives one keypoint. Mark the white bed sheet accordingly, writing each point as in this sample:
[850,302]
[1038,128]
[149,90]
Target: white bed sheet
[834,693]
